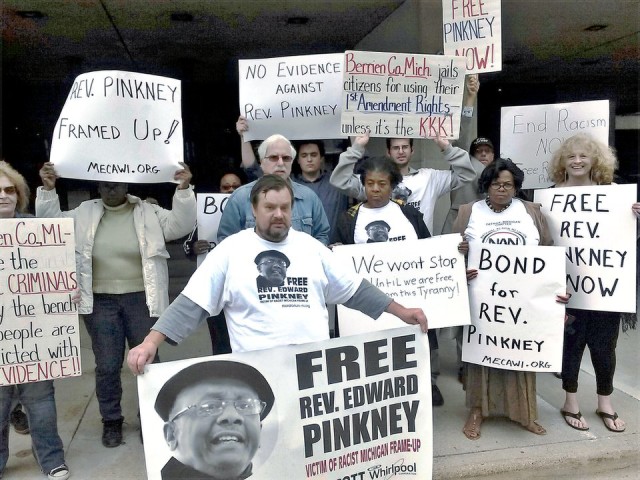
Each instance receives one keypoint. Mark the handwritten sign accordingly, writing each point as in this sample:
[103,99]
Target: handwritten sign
[516,323]
[598,229]
[39,337]
[120,126]
[344,408]
[529,135]
[473,29]
[210,208]
[402,94]
[298,97]
[428,273]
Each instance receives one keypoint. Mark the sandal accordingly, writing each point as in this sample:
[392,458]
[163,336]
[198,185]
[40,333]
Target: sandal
[577,416]
[472,427]
[613,417]
[535,427]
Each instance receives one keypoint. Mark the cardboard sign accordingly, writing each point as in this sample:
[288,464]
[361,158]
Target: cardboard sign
[342,408]
[598,229]
[298,97]
[120,127]
[516,323]
[428,273]
[210,208]
[529,135]
[39,337]
[473,29]
[402,95]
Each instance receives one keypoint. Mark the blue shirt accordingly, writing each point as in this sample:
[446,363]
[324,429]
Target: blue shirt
[307,216]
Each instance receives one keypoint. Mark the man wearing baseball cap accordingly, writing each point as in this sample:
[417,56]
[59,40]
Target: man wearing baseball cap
[213,413]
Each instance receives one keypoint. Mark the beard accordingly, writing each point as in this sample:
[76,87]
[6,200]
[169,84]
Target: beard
[274,233]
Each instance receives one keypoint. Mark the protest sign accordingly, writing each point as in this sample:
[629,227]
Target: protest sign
[39,337]
[529,135]
[473,29]
[298,97]
[428,273]
[402,94]
[598,229]
[120,127]
[210,208]
[516,323]
[341,408]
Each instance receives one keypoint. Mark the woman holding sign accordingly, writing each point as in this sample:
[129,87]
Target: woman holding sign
[583,161]
[37,397]
[380,219]
[500,216]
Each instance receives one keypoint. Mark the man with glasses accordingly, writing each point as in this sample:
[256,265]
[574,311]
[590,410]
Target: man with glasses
[272,266]
[276,156]
[213,413]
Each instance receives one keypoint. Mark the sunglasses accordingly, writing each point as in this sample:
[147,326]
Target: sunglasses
[9,190]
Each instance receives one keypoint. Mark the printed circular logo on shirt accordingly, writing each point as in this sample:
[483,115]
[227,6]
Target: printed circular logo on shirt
[504,236]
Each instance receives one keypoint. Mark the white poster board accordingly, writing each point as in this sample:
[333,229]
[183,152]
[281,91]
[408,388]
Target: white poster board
[516,323]
[210,208]
[120,127]
[529,135]
[343,408]
[598,229]
[402,94]
[473,30]
[39,335]
[298,97]
[429,274]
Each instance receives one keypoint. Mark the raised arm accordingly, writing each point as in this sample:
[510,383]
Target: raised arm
[343,177]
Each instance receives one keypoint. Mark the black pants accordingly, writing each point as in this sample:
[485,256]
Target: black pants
[219,334]
[599,332]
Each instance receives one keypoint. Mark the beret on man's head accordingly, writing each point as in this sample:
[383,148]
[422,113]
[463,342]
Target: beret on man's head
[272,254]
[378,223]
[478,142]
[212,371]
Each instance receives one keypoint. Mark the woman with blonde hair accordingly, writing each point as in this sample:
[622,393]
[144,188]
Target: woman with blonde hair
[37,397]
[583,161]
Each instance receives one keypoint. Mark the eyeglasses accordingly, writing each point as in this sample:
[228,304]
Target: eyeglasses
[505,186]
[397,148]
[245,407]
[275,158]
[9,190]
[269,262]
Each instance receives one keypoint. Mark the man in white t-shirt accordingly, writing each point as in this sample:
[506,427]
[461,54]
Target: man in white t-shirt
[261,317]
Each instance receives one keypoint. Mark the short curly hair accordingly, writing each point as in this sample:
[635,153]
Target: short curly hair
[602,155]
[380,164]
[22,189]
[492,171]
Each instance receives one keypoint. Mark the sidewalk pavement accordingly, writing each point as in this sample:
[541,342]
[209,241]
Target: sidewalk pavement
[505,450]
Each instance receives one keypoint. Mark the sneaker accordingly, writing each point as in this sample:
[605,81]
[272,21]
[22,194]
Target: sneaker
[19,421]
[59,473]
[112,433]
[436,396]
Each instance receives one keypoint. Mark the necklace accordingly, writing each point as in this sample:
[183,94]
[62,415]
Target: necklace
[497,210]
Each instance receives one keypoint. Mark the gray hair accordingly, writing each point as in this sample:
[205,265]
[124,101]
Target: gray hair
[262,149]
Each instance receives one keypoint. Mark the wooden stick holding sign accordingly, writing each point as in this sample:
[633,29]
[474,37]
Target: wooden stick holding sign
[516,323]
[120,126]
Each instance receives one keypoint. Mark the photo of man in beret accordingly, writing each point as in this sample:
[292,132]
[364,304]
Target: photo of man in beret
[213,413]
[377,231]
[272,266]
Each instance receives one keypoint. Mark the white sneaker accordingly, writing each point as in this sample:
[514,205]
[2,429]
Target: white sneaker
[59,473]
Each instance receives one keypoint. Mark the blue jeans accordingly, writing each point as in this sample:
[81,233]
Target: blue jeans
[115,319]
[40,406]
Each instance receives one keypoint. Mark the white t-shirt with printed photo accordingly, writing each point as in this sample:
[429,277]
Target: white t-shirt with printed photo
[260,316]
[384,224]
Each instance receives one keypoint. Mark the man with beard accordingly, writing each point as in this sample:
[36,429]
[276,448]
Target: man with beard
[257,320]
[213,413]
[378,231]
[272,266]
